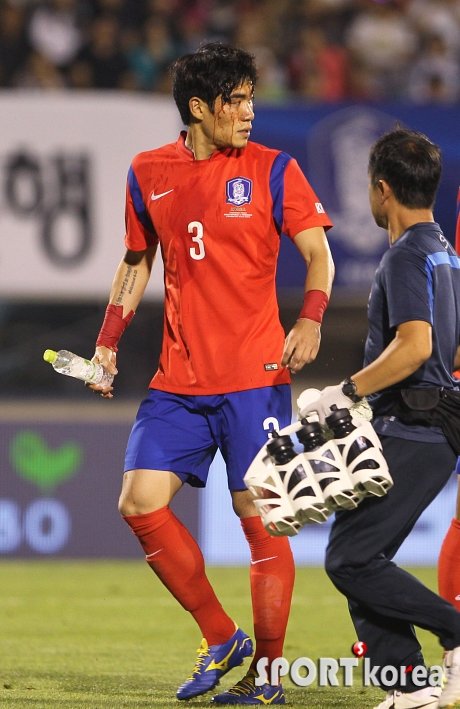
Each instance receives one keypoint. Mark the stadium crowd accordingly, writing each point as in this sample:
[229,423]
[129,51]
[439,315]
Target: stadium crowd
[318,50]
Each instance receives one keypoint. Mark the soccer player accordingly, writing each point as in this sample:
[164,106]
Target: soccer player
[449,557]
[216,205]
[414,331]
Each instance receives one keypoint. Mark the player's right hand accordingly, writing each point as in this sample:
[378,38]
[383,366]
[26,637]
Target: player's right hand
[108,358]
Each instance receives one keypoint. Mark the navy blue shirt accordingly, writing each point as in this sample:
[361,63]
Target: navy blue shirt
[418,278]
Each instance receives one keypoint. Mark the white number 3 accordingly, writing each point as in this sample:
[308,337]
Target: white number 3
[196,252]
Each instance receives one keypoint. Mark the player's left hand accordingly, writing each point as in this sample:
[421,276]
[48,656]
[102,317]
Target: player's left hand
[301,344]
[329,397]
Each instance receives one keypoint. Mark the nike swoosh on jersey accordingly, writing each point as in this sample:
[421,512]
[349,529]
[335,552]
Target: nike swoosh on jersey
[154,196]
[258,561]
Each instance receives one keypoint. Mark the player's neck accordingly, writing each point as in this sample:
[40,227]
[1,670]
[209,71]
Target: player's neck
[199,144]
[403,219]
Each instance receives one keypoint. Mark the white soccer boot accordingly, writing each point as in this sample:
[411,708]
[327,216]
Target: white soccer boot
[450,696]
[426,698]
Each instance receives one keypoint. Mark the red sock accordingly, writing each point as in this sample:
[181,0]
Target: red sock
[175,557]
[272,580]
[449,565]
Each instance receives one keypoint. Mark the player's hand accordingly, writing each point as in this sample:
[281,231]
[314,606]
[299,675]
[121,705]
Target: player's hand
[301,344]
[328,397]
[108,359]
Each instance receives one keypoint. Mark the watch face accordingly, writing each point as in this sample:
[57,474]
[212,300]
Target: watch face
[349,389]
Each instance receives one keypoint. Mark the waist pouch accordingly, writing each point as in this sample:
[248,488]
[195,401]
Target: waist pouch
[431,407]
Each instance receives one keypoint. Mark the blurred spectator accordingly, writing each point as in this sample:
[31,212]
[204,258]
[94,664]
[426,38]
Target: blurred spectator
[40,73]
[318,69]
[440,17]
[14,46]
[101,63]
[435,76]
[319,50]
[381,42]
[150,58]
[55,31]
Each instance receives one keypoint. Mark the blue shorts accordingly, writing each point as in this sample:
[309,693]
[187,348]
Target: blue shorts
[181,433]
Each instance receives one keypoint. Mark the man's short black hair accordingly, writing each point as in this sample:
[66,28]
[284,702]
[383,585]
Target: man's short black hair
[410,163]
[215,69]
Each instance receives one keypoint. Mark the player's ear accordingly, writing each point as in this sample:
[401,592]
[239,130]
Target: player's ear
[196,106]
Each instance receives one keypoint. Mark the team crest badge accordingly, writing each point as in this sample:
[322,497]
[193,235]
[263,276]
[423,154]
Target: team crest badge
[239,191]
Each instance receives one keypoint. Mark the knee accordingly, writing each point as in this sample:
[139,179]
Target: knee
[145,491]
[126,505]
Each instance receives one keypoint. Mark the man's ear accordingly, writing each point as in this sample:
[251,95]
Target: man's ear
[384,189]
[196,106]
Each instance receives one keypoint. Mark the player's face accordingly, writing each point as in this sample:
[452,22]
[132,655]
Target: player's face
[230,124]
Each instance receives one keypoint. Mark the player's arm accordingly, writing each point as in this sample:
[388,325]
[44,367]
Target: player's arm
[302,342]
[128,286]
[410,348]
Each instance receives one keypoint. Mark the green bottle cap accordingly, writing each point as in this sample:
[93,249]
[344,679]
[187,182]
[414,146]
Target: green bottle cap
[50,356]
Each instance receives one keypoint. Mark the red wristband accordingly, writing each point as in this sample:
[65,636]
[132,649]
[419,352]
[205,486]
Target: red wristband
[113,326]
[314,305]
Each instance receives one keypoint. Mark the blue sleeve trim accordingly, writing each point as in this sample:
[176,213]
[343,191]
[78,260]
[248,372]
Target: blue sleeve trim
[138,202]
[277,187]
[440,258]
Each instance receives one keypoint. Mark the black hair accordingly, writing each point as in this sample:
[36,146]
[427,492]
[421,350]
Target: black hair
[410,163]
[215,69]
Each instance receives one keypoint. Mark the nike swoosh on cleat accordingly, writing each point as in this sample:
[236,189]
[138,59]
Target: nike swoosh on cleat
[154,196]
[258,561]
[457,598]
[154,553]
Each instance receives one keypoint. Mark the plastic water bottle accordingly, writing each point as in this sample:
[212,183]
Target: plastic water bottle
[328,466]
[361,451]
[72,365]
[303,489]
[270,496]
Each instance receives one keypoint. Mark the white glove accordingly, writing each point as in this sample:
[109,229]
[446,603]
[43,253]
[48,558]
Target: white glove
[311,401]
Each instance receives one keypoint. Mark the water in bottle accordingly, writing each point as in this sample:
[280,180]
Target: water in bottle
[361,450]
[72,365]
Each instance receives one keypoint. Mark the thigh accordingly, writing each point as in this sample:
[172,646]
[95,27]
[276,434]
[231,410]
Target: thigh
[243,424]
[171,433]
[378,527]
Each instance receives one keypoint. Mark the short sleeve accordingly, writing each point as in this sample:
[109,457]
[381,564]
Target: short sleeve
[140,233]
[407,287]
[296,207]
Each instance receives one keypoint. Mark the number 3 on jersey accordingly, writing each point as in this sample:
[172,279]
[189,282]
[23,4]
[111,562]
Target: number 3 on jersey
[196,252]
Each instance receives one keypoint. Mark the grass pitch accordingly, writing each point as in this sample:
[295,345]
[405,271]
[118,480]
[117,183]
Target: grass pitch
[89,635]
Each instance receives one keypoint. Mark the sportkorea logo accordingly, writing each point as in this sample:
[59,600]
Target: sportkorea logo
[239,191]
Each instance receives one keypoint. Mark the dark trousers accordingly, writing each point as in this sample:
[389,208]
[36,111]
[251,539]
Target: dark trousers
[385,602]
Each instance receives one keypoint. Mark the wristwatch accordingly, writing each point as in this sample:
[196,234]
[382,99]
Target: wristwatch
[349,388]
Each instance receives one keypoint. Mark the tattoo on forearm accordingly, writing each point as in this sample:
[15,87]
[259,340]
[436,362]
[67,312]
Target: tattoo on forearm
[127,285]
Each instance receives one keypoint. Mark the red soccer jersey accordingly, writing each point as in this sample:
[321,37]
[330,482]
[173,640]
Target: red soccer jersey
[218,222]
